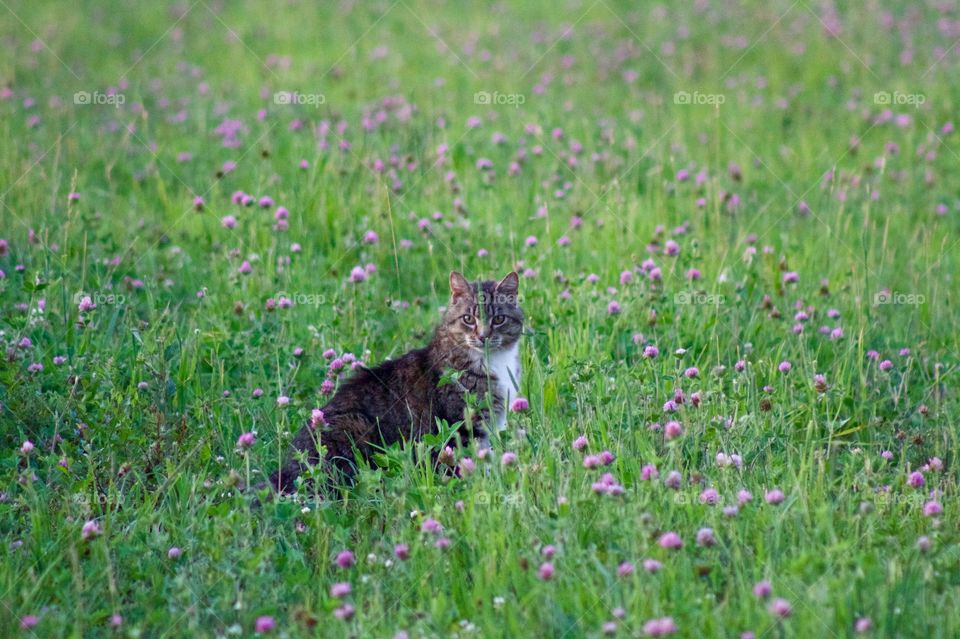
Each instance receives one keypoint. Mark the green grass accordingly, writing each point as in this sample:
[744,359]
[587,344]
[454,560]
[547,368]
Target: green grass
[158,382]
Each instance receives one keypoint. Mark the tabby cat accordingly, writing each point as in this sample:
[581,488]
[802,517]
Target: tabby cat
[401,400]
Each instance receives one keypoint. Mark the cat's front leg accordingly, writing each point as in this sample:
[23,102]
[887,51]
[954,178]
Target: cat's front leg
[467,401]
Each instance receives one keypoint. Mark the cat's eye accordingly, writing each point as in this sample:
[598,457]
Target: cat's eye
[468,320]
[498,320]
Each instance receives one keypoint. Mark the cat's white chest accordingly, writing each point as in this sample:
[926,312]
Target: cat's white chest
[505,365]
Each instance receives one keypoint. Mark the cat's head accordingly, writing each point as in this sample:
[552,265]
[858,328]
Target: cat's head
[484,316]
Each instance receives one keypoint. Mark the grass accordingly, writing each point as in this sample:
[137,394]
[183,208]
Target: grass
[827,155]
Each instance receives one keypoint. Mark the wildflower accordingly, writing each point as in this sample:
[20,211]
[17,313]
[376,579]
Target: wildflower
[26,447]
[358,274]
[650,352]
[246,440]
[705,538]
[402,551]
[780,608]
[923,543]
[607,486]
[652,565]
[762,589]
[545,572]
[90,529]
[174,553]
[430,525]
[613,307]
[932,508]
[340,590]
[580,442]
[344,612]
[29,621]
[862,625]
[345,559]
[820,383]
[264,624]
[86,304]
[672,430]
[116,620]
[591,461]
[744,497]
[625,569]
[673,480]
[508,459]
[467,466]
[915,479]
[785,366]
[774,496]
[709,496]
[520,404]
[648,472]
[670,541]
[724,460]
[283,401]
[659,627]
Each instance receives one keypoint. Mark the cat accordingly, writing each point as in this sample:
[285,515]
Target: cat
[478,339]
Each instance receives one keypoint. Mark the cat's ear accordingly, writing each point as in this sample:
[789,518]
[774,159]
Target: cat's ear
[459,286]
[509,285]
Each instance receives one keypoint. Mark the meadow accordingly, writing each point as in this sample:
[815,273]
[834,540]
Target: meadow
[737,226]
